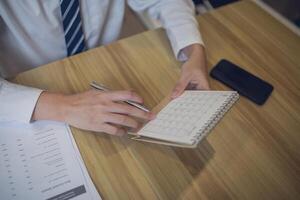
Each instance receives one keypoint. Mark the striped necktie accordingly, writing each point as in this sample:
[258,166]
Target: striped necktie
[72,26]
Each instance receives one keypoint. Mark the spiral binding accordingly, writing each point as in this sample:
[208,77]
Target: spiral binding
[211,123]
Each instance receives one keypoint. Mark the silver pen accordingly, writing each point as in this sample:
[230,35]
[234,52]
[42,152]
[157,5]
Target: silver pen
[104,88]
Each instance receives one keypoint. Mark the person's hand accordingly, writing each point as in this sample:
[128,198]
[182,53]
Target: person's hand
[194,73]
[92,110]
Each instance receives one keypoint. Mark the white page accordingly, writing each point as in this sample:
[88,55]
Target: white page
[41,161]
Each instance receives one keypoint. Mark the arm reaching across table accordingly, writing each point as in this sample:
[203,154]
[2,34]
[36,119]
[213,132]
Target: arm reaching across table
[177,17]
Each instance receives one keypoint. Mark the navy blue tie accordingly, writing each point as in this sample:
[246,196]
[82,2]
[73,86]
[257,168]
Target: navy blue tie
[72,26]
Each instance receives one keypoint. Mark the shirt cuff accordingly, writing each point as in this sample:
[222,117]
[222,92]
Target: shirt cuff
[183,36]
[17,102]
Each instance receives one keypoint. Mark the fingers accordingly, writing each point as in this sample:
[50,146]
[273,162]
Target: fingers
[130,110]
[190,82]
[180,86]
[110,129]
[124,96]
[203,87]
[204,84]
[121,120]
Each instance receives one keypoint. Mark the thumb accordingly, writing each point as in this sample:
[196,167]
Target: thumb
[179,87]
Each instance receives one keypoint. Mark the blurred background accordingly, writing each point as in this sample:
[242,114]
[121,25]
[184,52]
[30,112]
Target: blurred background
[286,11]
[288,8]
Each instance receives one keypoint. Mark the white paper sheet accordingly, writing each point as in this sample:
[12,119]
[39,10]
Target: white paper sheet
[41,161]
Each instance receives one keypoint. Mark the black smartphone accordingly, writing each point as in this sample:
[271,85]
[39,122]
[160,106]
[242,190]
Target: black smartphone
[245,83]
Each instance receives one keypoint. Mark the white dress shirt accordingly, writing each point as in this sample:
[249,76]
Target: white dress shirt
[31,34]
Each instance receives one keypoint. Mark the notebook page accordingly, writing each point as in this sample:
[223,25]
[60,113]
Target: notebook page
[181,120]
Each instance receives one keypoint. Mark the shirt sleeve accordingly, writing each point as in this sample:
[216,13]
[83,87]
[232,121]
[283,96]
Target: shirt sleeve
[17,102]
[177,17]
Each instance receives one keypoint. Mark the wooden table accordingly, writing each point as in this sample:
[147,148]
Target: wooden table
[253,153]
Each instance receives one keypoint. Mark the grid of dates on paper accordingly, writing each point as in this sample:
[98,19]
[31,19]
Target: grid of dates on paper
[192,110]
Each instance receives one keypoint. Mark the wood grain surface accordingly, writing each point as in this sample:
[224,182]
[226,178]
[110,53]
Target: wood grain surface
[253,153]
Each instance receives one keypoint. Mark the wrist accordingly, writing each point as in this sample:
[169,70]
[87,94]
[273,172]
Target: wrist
[194,51]
[196,58]
[51,106]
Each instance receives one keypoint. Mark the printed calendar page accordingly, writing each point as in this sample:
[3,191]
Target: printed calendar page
[189,117]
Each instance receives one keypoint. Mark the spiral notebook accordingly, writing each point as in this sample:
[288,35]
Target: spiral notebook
[186,120]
